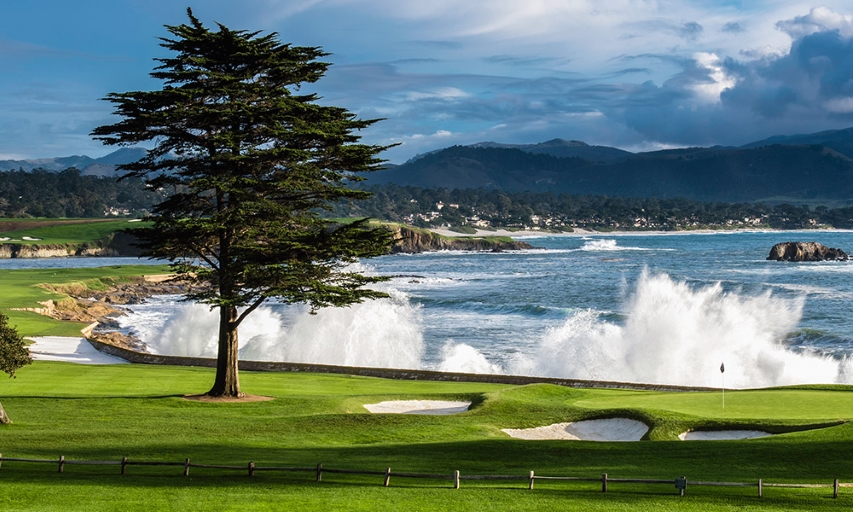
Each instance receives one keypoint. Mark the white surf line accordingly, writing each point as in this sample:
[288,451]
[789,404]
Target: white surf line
[70,350]
[611,429]
[437,407]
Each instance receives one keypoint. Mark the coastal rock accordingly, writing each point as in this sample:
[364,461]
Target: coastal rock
[806,251]
[413,241]
[117,244]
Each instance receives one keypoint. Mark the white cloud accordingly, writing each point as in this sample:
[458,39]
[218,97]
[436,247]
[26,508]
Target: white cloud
[720,80]
[819,19]
[441,93]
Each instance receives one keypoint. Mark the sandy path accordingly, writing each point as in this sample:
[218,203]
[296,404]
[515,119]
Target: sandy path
[68,349]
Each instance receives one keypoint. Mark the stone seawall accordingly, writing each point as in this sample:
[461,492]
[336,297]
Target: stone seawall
[384,373]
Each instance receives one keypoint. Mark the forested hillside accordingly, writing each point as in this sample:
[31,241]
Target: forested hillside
[41,193]
[805,173]
[487,208]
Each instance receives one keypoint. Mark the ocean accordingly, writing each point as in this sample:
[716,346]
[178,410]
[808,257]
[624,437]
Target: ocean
[651,308]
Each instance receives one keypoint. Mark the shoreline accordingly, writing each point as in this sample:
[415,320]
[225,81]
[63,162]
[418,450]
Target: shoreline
[528,233]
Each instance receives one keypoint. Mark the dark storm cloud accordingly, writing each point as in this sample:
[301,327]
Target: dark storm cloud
[809,88]
[816,77]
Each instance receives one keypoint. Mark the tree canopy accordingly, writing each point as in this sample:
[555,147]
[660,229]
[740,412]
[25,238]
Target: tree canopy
[13,354]
[249,163]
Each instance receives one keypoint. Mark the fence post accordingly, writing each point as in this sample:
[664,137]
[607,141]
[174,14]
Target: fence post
[760,487]
[835,488]
[251,469]
[531,481]
[684,484]
[187,467]
[123,465]
[604,482]
[1,459]
[456,479]
[387,477]
[319,472]
[61,463]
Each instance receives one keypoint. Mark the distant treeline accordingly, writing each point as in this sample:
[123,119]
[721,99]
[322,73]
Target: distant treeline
[436,207]
[41,193]
[67,193]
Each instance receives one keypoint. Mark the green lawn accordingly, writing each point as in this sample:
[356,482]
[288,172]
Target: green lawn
[106,412]
[63,232]
[19,290]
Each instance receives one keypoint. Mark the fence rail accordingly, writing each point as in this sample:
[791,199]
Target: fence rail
[680,483]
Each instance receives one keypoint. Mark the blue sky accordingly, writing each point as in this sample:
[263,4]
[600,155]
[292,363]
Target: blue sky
[635,74]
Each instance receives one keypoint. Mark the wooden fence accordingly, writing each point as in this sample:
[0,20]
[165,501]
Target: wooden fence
[680,483]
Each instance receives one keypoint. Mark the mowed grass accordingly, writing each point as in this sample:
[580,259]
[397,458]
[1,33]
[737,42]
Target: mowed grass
[55,231]
[19,289]
[106,412]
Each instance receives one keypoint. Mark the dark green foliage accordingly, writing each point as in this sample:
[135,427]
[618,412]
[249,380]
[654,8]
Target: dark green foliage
[41,193]
[13,353]
[249,164]
[513,209]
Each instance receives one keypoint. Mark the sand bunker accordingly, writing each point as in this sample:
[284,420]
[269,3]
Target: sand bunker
[418,407]
[720,435]
[71,350]
[612,429]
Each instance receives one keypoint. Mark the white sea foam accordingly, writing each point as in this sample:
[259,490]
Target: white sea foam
[607,244]
[672,333]
[677,334]
[382,333]
[462,358]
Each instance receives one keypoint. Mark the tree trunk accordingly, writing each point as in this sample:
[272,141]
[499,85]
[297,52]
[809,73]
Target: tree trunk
[3,417]
[227,381]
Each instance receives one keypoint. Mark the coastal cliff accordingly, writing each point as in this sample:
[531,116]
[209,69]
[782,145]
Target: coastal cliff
[117,244]
[413,240]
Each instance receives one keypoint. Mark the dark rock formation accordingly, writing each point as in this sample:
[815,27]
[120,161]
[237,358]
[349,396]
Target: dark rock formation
[413,241]
[805,251]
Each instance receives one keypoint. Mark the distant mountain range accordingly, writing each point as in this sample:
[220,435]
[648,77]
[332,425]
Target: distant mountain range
[104,166]
[812,168]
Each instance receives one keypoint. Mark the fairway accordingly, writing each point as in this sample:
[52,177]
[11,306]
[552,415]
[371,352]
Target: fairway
[106,412]
[61,231]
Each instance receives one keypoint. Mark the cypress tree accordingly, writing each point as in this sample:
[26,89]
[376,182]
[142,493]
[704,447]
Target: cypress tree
[249,163]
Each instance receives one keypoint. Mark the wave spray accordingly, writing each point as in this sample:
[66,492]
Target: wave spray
[677,334]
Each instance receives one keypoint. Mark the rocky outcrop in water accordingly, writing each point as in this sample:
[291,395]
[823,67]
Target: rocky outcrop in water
[413,241]
[806,251]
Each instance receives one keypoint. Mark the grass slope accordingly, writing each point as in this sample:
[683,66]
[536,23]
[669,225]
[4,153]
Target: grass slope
[110,411]
[19,289]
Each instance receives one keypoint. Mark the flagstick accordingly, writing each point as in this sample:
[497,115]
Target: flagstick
[723,377]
